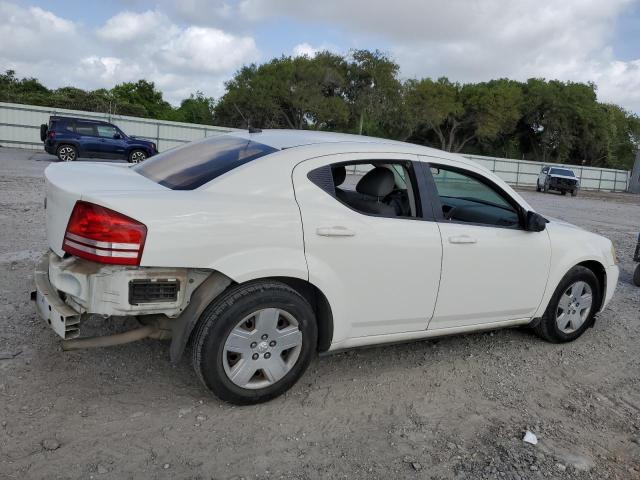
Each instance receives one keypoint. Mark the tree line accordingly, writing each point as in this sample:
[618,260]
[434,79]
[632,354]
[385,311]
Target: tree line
[362,93]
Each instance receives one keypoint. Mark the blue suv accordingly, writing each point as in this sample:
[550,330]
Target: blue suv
[70,138]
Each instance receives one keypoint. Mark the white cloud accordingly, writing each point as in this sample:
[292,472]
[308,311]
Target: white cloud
[127,47]
[128,26]
[482,39]
[304,50]
[207,50]
[198,44]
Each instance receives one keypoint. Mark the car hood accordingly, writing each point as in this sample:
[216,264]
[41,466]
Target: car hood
[562,223]
[554,175]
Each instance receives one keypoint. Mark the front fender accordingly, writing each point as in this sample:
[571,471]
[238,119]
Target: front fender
[571,246]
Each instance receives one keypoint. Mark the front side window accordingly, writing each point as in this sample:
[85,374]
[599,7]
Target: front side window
[191,165]
[106,131]
[465,198]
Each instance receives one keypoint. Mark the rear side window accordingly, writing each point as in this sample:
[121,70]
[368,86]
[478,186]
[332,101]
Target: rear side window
[189,166]
[86,129]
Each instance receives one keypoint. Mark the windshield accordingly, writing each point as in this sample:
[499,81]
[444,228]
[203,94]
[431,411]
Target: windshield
[562,171]
[191,165]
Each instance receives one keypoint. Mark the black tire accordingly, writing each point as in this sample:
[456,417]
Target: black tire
[563,192]
[636,276]
[44,129]
[574,193]
[67,153]
[224,314]
[137,156]
[538,187]
[545,187]
[548,328]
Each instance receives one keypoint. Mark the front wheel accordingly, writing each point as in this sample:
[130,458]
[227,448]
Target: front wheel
[137,156]
[254,342]
[574,193]
[571,308]
[563,192]
[538,186]
[67,153]
[545,187]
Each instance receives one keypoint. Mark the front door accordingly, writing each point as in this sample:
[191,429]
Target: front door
[492,269]
[109,145]
[367,244]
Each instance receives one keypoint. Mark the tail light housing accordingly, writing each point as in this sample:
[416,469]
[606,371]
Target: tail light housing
[103,235]
[51,135]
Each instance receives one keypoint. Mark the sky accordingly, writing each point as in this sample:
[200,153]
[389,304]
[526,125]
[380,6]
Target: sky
[196,45]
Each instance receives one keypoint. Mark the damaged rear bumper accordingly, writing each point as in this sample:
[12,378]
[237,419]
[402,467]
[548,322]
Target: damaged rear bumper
[67,288]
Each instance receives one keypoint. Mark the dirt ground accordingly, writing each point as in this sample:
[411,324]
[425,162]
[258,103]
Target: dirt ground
[453,408]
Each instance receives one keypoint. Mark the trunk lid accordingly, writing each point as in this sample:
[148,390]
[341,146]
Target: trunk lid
[68,182]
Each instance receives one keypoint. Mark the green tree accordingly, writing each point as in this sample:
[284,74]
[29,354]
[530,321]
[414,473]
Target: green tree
[288,92]
[144,94]
[458,114]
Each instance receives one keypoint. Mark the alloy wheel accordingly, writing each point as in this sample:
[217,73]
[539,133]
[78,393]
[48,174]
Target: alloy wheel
[67,154]
[137,157]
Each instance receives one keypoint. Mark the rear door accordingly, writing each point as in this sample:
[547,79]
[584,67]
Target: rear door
[492,269]
[379,272]
[88,138]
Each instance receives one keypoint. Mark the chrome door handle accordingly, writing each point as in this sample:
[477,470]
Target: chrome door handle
[462,239]
[336,231]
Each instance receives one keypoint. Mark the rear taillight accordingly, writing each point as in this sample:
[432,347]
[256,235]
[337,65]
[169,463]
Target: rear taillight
[99,234]
[51,135]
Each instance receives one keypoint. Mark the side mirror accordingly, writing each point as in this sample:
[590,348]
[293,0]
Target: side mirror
[534,222]
[116,136]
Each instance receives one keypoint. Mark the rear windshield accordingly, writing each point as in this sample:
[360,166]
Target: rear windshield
[189,166]
[562,171]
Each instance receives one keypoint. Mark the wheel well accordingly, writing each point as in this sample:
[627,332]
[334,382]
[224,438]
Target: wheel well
[66,143]
[599,271]
[320,305]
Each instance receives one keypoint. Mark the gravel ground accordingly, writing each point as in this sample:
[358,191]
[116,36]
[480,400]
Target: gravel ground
[453,408]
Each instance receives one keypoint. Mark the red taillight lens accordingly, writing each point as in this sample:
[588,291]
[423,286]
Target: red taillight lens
[102,235]
[51,134]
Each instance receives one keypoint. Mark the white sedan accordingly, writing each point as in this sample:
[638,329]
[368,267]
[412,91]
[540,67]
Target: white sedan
[260,249]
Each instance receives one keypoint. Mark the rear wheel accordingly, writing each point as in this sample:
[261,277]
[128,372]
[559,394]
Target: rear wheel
[563,192]
[137,156]
[67,153]
[254,342]
[571,308]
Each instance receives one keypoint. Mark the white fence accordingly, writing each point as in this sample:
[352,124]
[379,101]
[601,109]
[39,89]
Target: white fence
[20,128]
[521,173]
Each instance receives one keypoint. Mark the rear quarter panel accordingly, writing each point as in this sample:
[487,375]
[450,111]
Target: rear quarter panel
[244,224]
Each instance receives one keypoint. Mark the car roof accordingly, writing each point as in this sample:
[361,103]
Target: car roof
[283,139]
[88,120]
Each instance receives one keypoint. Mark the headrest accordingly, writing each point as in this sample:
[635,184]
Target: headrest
[378,182]
[339,174]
